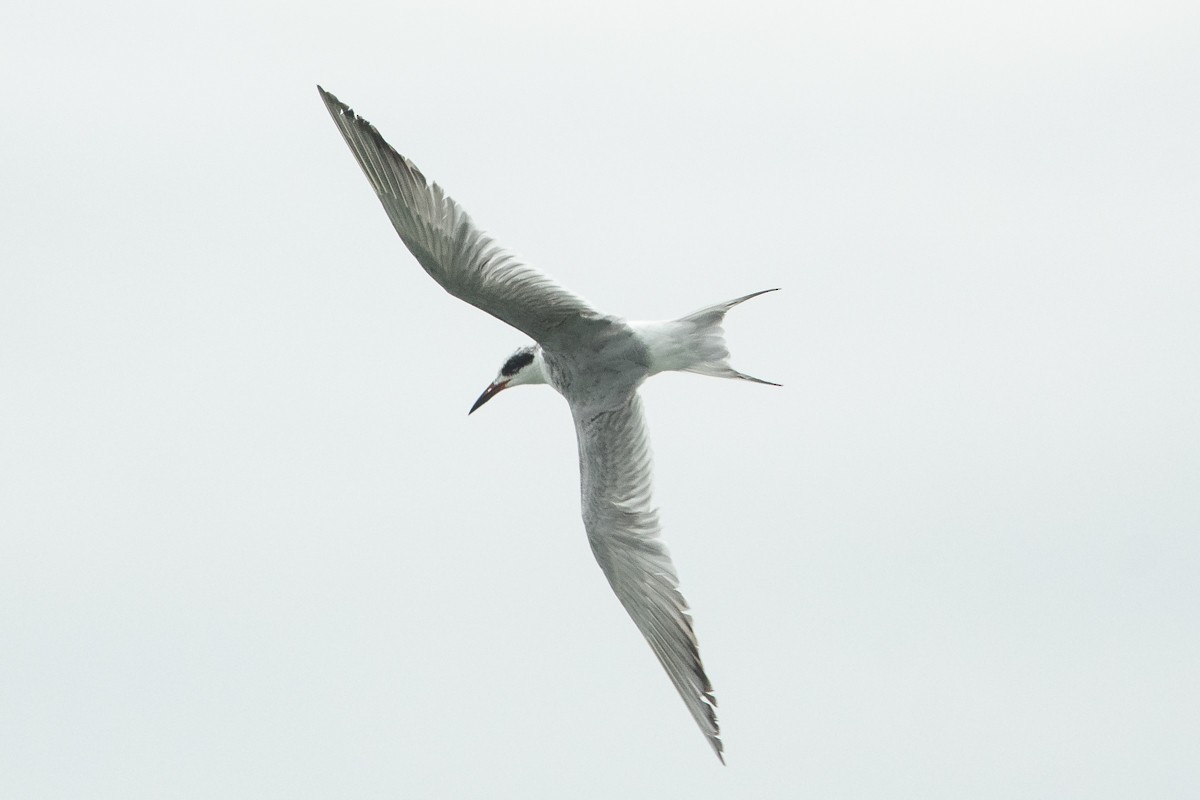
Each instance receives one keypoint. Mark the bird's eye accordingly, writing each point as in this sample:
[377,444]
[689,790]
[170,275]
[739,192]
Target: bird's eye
[514,364]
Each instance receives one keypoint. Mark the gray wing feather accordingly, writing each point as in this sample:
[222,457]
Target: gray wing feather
[623,529]
[463,259]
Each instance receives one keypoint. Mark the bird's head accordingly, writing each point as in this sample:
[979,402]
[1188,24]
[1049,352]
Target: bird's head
[523,366]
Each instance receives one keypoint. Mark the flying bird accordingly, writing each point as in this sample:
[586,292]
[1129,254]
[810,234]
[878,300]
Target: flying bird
[596,361]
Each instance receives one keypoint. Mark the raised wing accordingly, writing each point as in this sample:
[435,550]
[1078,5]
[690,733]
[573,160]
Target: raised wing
[458,255]
[623,529]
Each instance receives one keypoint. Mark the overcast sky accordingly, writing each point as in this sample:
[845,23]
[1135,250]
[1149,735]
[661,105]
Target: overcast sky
[251,546]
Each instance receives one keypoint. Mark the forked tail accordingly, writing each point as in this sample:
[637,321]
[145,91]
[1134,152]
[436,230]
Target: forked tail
[695,343]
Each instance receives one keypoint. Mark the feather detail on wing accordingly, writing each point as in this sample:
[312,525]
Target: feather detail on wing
[623,529]
[463,259]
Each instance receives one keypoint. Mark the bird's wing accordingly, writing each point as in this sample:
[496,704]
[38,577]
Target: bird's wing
[622,527]
[463,259]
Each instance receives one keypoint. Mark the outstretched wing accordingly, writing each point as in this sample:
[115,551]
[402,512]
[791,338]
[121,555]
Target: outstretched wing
[622,527]
[463,259]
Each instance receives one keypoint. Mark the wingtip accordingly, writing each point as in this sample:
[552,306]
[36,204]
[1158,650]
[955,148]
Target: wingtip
[334,105]
[718,747]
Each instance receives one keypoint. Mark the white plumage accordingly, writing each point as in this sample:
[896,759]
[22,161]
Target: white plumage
[596,361]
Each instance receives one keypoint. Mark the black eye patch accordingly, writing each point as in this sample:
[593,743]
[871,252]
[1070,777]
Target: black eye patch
[514,364]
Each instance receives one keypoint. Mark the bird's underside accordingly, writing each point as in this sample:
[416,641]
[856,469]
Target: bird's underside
[597,362]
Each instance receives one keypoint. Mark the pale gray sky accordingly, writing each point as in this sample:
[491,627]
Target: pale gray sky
[252,547]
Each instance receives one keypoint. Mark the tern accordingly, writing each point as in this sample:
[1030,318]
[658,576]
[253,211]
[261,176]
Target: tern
[597,362]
